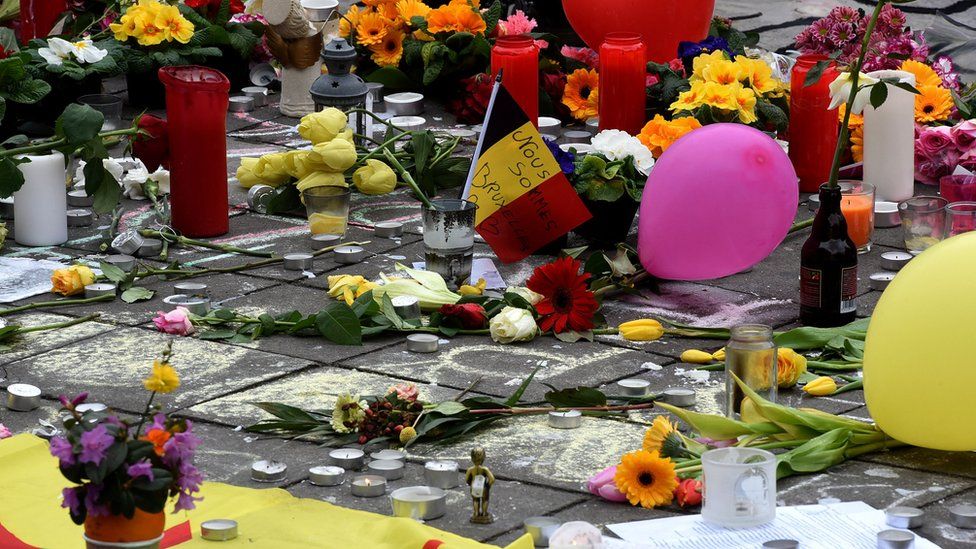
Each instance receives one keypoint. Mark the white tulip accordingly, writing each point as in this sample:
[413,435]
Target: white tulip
[840,91]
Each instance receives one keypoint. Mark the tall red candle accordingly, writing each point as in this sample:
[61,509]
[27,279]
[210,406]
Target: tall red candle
[196,109]
[813,129]
[623,82]
[37,17]
[518,58]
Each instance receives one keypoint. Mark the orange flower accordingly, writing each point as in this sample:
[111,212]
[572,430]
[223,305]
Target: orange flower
[932,104]
[582,94]
[389,51]
[857,143]
[158,438]
[476,4]
[659,133]
[924,74]
[855,121]
[349,21]
[455,18]
[408,9]
[371,29]
[388,10]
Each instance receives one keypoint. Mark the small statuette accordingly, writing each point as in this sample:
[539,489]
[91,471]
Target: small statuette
[480,479]
[422,343]
[150,247]
[298,262]
[22,397]
[241,103]
[679,396]
[388,229]
[268,471]
[80,199]
[327,475]
[570,419]
[904,517]
[99,289]
[218,530]
[80,217]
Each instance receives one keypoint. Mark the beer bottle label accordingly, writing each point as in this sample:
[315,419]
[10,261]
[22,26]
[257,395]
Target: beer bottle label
[811,284]
[848,294]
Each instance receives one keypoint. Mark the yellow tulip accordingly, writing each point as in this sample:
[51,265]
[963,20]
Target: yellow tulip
[248,177]
[719,355]
[339,155]
[477,289]
[321,179]
[323,126]
[320,223]
[71,281]
[271,167]
[822,386]
[694,356]
[645,329]
[301,164]
[375,178]
[348,287]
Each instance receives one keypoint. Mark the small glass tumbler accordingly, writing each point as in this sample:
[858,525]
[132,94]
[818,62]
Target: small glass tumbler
[958,188]
[327,209]
[857,205]
[960,218]
[109,105]
[449,239]
[739,487]
[923,219]
[751,356]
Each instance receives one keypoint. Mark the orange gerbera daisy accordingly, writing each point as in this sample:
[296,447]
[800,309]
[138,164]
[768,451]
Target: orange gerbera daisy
[857,143]
[408,9]
[581,94]
[388,10]
[855,120]
[660,430]
[646,479]
[372,28]
[476,4]
[389,51]
[924,74]
[932,104]
[455,18]
[659,133]
[349,21]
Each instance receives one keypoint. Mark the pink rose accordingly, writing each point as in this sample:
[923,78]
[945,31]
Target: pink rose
[5,432]
[405,391]
[176,322]
[603,485]
[964,134]
[585,56]
[932,142]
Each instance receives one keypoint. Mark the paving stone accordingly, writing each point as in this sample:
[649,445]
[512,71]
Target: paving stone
[35,343]
[950,463]
[315,389]
[114,364]
[511,502]
[938,528]
[26,422]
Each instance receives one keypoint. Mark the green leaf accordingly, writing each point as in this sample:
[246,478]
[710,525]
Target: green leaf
[365,305]
[137,293]
[79,123]
[817,454]
[339,324]
[389,311]
[28,91]
[224,314]
[11,178]
[391,77]
[879,94]
[517,395]
[217,334]
[806,338]
[578,397]
[450,408]
[720,427]
[814,74]
[423,146]
[491,17]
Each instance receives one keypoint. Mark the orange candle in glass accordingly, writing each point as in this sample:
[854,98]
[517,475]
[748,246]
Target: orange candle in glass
[857,205]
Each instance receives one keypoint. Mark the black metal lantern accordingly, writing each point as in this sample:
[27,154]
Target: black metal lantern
[340,88]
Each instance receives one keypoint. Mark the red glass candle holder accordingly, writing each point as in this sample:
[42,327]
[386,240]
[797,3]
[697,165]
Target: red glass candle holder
[518,58]
[196,109]
[37,17]
[958,188]
[623,82]
[813,128]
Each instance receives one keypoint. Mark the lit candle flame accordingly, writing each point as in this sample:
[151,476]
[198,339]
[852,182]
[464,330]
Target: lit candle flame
[366,480]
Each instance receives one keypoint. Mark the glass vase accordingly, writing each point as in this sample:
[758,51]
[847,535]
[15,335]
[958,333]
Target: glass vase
[751,356]
[327,209]
[449,239]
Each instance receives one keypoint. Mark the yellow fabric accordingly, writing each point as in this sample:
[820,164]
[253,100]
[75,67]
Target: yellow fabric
[30,485]
[516,164]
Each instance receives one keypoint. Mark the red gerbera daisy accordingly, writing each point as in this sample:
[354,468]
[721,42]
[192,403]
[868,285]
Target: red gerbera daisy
[568,303]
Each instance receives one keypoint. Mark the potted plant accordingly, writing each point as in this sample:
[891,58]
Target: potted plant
[123,474]
[17,86]
[609,177]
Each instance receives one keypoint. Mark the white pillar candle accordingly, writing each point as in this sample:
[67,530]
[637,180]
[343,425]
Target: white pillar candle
[41,205]
[889,141]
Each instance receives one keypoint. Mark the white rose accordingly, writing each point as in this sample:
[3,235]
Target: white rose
[513,324]
[526,294]
[618,145]
[161,177]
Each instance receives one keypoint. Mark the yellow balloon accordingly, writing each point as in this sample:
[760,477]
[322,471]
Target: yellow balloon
[919,376]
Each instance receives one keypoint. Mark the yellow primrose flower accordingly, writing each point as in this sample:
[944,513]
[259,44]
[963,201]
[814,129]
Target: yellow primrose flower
[339,155]
[701,63]
[71,281]
[723,72]
[694,356]
[720,96]
[477,289]
[163,378]
[174,25]
[125,28]
[148,32]
[645,329]
[822,386]
[691,99]
[756,74]
[745,101]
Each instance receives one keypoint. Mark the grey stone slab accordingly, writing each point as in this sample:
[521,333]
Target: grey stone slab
[114,365]
[511,502]
[35,343]
[938,528]
[315,389]
[878,485]
[397,206]
[272,131]
[501,369]
[26,422]
[950,463]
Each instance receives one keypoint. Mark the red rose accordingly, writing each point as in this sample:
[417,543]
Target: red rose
[152,148]
[469,316]
[198,3]
[688,493]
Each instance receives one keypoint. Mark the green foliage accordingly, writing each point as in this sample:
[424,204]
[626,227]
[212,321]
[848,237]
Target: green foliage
[600,179]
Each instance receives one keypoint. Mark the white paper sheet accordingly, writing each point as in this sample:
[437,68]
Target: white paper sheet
[21,277]
[852,525]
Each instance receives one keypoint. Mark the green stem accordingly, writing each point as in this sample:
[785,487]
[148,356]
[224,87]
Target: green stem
[145,414]
[58,325]
[170,237]
[800,225]
[852,386]
[56,303]
[408,179]
[712,367]
[50,144]
[842,142]
[828,367]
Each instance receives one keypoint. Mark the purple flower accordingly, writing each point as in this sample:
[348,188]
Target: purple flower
[141,469]
[73,402]
[185,502]
[188,482]
[94,444]
[4,432]
[180,447]
[944,68]
[688,51]
[565,159]
[159,422]
[845,14]
[71,500]
[62,449]
[95,509]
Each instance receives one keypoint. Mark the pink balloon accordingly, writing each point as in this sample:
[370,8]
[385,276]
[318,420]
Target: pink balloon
[717,202]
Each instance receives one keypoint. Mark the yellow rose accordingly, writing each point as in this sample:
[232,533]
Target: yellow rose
[321,179]
[323,126]
[646,329]
[71,281]
[163,378]
[375,178]
[271,167]
[694,356]
[822,386]
[339,155]
[349,287]
[790,365]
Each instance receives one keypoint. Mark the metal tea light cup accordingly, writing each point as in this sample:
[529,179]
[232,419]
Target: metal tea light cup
[419,502]
[327,475]
[441,474]
[449,239]
[541,529]
[218,530]
[22,397]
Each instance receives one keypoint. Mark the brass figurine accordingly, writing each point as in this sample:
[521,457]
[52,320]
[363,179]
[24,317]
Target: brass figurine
[480,479]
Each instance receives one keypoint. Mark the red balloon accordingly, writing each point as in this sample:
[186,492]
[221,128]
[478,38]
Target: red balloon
[662,23]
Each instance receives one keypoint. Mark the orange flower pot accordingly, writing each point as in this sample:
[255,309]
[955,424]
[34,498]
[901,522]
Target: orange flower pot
[142,526]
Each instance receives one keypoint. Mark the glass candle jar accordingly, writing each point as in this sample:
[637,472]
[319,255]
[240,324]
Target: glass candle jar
[449,239]
[857,205]
[739,487]
[813,128]
[623,82]
[751,356]
[923,218]
[327,209]
[958,188]
[960,218]
[518,59]
[196,109]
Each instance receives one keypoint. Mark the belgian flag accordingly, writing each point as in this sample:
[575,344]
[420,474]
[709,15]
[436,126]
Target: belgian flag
[524,199]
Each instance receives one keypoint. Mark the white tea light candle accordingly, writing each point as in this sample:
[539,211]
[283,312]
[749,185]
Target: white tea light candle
[570,419]
[419,502]
[389,455]
[327,475]
[390,469]
[23,397]
[268,471]
[368,486]
[218,530]
[441,474]
[633,387]
[349,459]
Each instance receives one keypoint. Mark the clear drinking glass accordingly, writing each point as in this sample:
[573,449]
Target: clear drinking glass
[857,205]
[449,239]
[327,209]
[960,218]
[751,356]
[958,188]
[739,487]
[923,219]
[109,105]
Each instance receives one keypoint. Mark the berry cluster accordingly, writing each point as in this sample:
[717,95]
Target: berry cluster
[387,417]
